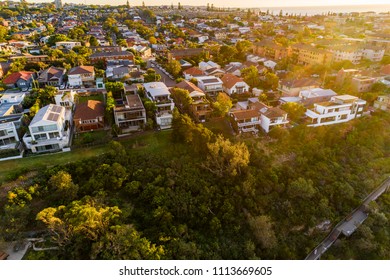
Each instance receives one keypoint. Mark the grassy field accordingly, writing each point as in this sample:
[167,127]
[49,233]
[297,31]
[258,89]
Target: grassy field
[220,126]
[150,143]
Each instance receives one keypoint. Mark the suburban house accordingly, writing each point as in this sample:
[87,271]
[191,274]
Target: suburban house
[48,130]
[315,95]
[245,121]
[192,72]
[341,108]
[89,116]
[160,95]
[208,65]
[362,83]
[67,44]
[81,75]
[200,107]
[210,84]
[52,76]
[9,138]
[234,85]
[382,102]
[269,116]
[293,87]
[21,79]
[130,114]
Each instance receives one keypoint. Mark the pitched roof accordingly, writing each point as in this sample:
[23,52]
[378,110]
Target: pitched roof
[193,71]
[81,70]
[14,77]
[229,80]
[274,112]
[89,110]
[188,86]
[50,113]
[52,73]
[109,54]
[245,114]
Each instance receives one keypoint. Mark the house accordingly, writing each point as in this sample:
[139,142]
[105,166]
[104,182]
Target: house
[21,79]
[270,64]
[362,83]
[81,75]
[245,121]
[315,95]
[208,65]
[269,116]
[382,102]
[67,44]
[9,138]
[341,108]
[210,84]
[160,95]
[114,55]
[48,131]
[53,76]
[89,116]
[192,72]
[215,71]
[200,106]
[293,87]
[234,85]
[130,114]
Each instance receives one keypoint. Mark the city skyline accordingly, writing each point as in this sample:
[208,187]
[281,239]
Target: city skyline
[229,3]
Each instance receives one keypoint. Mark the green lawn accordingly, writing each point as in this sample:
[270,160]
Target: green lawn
[220,126]
[151,142]
[83,99]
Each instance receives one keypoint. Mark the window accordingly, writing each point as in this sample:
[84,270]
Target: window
[3,133]
[54,135]
[42,136]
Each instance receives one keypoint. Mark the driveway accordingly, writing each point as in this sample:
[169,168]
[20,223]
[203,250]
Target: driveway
[164,77]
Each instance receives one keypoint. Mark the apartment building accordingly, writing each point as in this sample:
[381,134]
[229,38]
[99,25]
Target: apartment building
[362,83]
[309,55]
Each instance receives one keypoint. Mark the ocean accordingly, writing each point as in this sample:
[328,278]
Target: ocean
[317,10]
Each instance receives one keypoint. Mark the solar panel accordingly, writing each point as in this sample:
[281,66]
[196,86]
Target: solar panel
[56,109]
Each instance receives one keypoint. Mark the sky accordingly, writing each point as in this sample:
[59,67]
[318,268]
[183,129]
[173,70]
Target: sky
[230,3]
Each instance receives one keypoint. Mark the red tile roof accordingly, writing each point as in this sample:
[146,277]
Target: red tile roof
[81,70]
[193,71]
[14,77]
[229,80]
[89,110]
[188,86]
[245,114]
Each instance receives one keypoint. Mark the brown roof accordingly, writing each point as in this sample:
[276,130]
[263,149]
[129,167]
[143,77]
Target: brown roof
[193,71]
[134,101]
[257,106]
[245,114]
[274,112]
[14,77]
[188,86]
[81,70]
[89,110]
[229,80]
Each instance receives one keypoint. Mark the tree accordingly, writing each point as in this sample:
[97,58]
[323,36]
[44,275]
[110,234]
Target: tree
[116,88]
[152,40]
[18,65]
[262,230]
[271,81]
[63,186]
[151,76]
[295,111]
[93,42]
[182,100]
[251,76]
[243,48]
[225,158]
[110,105]
[125,243]
[3,33]
[223,104]
[174,67]
[57,38]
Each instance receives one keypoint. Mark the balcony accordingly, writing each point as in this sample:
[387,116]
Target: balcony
[250,123]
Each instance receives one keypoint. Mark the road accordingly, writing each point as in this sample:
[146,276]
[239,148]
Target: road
[164,77]
[349,224]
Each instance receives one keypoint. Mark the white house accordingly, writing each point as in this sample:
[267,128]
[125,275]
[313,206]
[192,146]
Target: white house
[270,64]
[208,65]
[233,84]
[79,75]
[210,84]
[48,130]
[65,98]
[160,95]
[67,44]
[8,135]
[341,108]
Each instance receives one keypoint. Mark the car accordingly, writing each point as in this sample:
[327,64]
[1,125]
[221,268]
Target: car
[62,87]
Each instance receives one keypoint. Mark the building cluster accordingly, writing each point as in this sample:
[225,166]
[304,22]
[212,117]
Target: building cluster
[75,108]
